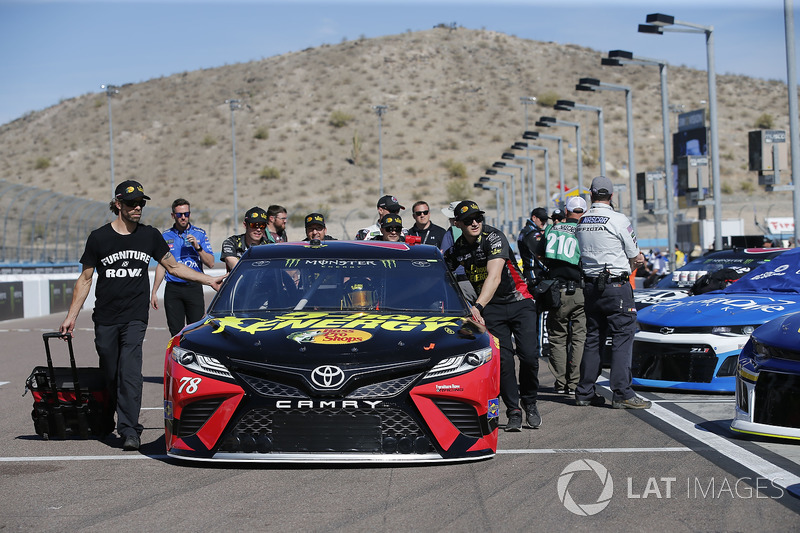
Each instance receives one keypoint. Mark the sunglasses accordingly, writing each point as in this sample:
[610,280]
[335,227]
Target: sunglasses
[470,220]
[421,213]
[256,225]
[134,203]
[393,229]
[181,215]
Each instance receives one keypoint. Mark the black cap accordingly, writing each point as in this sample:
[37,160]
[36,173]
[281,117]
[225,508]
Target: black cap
[466,209]
[390,203]
[540,213]
[255,214]
[558,214]
[315,218]
[391,219]
[129,190]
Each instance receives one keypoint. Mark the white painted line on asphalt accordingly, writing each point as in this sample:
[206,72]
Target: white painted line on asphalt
[4,383]
[150,408]
[79,458]
[727,400]
[600,450]
[749,460]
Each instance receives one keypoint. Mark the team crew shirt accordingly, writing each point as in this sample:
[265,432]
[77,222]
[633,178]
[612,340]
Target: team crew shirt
[184,252]
[561,252]
[121,263]
[236,246]
[600,232]
[490,244]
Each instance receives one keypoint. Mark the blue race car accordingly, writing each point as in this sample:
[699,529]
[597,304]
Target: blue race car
[694,343]
[768,381]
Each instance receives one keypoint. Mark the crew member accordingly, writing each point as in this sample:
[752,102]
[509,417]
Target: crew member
[504,305]
[386,205]
[391,229]
[427,231]
[255,226]
[276,224]
[608,254]
[316,229]
[183,300]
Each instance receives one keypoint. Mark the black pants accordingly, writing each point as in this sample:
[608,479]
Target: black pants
[512,323]
[119,347]
[183,304]
[611,313]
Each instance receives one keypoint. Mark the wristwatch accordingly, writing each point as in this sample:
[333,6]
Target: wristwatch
[479,307]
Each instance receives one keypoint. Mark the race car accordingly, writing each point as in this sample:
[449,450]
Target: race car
[768,381]
[676,285]
[694,343]
[334,352]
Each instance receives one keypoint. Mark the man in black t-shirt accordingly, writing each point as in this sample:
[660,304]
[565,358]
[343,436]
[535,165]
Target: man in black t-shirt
[504,305]
[121,251]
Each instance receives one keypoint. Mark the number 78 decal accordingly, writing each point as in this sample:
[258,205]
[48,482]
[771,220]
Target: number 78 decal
[190,384]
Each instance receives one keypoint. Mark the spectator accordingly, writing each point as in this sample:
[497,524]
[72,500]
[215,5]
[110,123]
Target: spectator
[608,252]
[505,306]
[183,300]
[255,225]
[680,257]
[276,224]
[427,231]
[386,205]
[121,251]
[316,229]
[566,325]
[658,267]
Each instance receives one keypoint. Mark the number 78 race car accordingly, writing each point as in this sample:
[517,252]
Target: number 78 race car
[334,352]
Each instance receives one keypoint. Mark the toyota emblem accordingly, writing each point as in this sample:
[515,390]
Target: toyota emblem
[666,331]
[327,377]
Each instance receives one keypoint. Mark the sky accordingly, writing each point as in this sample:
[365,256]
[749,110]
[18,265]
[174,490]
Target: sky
[52,50]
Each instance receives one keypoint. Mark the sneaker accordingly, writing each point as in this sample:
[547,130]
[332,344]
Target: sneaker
[532,416]
[595,400]
[514,421]
[560,390]
[131,443]
[634,402]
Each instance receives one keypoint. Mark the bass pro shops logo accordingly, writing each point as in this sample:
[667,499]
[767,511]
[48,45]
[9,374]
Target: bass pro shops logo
[586,509]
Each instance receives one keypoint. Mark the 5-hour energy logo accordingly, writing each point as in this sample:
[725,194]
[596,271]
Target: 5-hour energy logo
[316,321]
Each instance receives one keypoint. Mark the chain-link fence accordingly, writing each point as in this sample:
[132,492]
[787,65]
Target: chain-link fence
[46,227]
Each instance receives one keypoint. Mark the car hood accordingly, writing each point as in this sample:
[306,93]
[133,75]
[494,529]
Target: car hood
[780,333]
[780,276]
[346,338]
[648,297]
[720,309]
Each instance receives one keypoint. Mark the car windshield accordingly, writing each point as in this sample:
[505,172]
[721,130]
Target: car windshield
[420,285]
[685,276]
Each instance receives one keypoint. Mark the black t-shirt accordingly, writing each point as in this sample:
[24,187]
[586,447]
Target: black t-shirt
[432,235]
[122,293]
[490,244]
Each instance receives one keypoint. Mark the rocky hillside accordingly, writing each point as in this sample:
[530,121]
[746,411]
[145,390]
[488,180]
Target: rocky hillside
[307,134]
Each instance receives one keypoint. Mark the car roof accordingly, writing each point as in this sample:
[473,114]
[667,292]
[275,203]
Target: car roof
[342,249]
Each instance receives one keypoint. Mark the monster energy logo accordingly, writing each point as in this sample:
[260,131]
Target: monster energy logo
[388,263]
[292,262]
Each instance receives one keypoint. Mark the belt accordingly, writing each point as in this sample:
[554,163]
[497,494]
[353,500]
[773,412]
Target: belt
[611,279]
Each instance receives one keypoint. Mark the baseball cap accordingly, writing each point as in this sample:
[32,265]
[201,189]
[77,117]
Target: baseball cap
[315,218]
[540,213]
[466,209]
[602,185]
[255,214]
[129,190]
[390,203]
[449,211]
[576,204]
[558,214]
[391,220]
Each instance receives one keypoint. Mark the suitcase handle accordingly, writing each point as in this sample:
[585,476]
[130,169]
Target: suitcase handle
[68,336]
[51,334]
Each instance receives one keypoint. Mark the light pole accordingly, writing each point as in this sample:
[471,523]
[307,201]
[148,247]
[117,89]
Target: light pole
[493,172]
[380,110]
[234,105]
[527,146]
[593,84]
[496,195]
[522,182]
[569,105]
[526,101]
[533,135]
[111,90]
[531,174]
[485,179]
[658,23]
[552,121]
[622,57]
[794,134]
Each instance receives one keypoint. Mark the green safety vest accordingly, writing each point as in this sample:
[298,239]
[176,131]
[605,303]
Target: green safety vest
[561,243]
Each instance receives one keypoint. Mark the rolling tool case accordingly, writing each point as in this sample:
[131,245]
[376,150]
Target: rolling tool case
[69,401]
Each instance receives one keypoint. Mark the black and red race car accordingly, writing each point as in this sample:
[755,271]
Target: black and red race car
[334,352]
